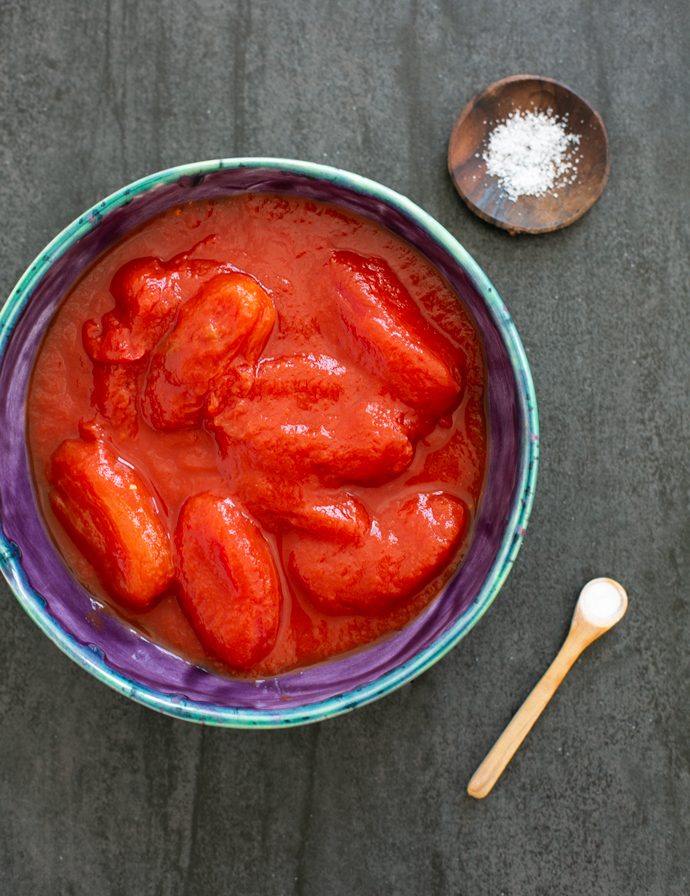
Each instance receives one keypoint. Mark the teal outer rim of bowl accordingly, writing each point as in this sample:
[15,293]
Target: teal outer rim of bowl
[513,532]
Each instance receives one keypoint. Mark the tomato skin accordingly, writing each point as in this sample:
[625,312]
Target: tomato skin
[404,548]
[146,297]
[308,413]
[385,332]
[147,294]
[116,391]
[280,504]
[232,314]
[229,585]
[111,516]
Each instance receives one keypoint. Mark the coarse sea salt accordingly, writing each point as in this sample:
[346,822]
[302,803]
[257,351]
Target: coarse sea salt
[531,154]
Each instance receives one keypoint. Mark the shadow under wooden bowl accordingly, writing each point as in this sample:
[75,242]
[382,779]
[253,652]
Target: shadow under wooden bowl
[485,194]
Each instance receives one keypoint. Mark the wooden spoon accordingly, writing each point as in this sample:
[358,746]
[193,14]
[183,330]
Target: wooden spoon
[601,604]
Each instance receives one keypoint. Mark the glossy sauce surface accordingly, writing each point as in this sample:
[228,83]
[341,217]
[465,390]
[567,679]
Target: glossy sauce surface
[341,437]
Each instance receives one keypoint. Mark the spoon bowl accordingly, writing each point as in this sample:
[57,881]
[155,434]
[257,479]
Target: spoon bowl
[601,604]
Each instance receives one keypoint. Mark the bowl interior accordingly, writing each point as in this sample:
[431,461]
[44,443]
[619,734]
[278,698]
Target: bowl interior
[121,656]
[484,193]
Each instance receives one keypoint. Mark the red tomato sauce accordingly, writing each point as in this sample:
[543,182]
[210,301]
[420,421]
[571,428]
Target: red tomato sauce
[351,519]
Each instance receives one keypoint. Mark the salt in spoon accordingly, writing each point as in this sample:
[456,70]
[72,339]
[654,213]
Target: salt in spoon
[601,604]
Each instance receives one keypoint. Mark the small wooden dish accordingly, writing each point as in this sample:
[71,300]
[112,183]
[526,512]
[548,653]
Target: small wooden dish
[484,193]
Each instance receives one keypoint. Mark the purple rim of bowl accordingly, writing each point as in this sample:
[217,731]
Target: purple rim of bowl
[123,658]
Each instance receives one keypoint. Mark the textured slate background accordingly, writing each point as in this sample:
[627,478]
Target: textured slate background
[101,796]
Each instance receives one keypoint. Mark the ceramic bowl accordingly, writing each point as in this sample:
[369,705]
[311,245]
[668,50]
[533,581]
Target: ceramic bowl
[124,659]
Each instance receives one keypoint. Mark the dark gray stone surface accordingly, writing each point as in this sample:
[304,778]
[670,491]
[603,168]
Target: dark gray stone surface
[101,796]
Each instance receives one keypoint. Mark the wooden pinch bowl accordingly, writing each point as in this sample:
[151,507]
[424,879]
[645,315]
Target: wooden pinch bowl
[484,193]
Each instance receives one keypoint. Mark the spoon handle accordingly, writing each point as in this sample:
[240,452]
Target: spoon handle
[503,750]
